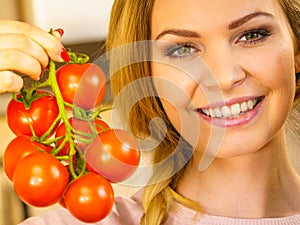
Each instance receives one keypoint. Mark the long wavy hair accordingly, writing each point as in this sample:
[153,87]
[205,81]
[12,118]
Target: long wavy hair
[130,22]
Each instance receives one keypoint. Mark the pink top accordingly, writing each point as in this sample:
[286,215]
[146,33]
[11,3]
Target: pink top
[128,211]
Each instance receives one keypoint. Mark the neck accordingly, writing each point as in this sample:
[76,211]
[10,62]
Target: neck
[261,184]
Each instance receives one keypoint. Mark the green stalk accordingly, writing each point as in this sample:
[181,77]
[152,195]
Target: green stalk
[83,165]
[48,132]
[62,112]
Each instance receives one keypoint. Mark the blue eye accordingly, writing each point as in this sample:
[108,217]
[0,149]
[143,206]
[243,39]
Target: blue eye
[180,50]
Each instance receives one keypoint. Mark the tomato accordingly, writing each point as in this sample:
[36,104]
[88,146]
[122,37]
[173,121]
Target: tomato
[17,149]
[83,127]
[40,179]
[41,115]
[89,198]
[114,154]
[82,84]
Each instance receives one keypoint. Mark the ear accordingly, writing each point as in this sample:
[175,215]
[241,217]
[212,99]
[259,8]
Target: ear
[297,62]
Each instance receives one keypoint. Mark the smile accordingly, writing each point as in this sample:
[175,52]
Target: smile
[235,114]
[231,111]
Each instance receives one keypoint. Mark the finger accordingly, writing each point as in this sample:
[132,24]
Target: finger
[25,44]
[58,33]
[10,82]
[16,60]
[49,42]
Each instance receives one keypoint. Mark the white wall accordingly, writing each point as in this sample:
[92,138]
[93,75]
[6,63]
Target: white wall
[81,22]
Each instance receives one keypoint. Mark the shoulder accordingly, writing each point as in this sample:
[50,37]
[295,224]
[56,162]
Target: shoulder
[126,211]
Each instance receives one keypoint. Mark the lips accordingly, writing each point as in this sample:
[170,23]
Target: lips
[231,111]
[235,113]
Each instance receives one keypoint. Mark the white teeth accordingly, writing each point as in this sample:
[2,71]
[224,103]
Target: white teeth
[218,112]
[250,104]
[205,111]
[235,109]
[244,107]
[231,111]
[226,111]
[211,113]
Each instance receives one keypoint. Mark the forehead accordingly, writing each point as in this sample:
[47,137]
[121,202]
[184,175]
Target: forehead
[206,13]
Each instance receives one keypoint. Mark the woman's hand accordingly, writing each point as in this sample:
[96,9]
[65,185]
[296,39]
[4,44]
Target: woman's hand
[25,49]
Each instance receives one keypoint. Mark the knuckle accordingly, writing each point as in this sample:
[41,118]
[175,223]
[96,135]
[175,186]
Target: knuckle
[24,28]
[23,42]
[12,58]
[17,60]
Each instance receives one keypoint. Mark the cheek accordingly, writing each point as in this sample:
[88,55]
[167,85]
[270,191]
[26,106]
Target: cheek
[282,83]
[273,68]
[283,73]
[195,131]
[180,82]
[172,85]
[175,90]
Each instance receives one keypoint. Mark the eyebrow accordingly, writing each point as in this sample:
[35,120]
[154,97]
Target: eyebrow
[179,32]
[239,22]
[192,34]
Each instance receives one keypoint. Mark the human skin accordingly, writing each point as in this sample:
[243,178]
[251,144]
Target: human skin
[248,48]
[25,49]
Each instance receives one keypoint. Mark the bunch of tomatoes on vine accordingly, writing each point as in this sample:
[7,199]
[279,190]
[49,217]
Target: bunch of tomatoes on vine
[63,151]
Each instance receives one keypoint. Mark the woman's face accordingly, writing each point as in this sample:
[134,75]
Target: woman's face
[224,68]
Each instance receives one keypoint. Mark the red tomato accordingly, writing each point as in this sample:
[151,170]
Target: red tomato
[17,149]
[83,127]
[114,154]
[82,84]
[89,198]
[40,179]
[41,115]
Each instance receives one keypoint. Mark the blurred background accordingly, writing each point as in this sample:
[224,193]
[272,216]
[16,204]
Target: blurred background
[85,26]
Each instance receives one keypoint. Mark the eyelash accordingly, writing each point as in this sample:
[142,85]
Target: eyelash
[170,52]
[262,35]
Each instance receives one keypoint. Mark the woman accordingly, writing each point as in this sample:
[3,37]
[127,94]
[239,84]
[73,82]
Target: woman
[245,51]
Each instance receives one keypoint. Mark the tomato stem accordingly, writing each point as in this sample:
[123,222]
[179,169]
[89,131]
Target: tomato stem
[77,58]
[50,141]
[98,111]
[62,112]
[49,131]
[83,165]
[32,129]
[61,145]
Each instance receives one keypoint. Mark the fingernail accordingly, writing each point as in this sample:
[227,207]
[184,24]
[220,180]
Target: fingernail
[60,31]
[64,55]
[40,76]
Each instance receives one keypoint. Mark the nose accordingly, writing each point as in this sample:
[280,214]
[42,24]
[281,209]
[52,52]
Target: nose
[226,67]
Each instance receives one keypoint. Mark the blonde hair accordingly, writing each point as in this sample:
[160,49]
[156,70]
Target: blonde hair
[292,11]
[130,22]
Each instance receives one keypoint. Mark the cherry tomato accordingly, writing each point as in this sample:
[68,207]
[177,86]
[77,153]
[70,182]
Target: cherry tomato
[82,84]
[17,149]
[41,115]
[40,179]
[114,154]
[89,198]
[83,127]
